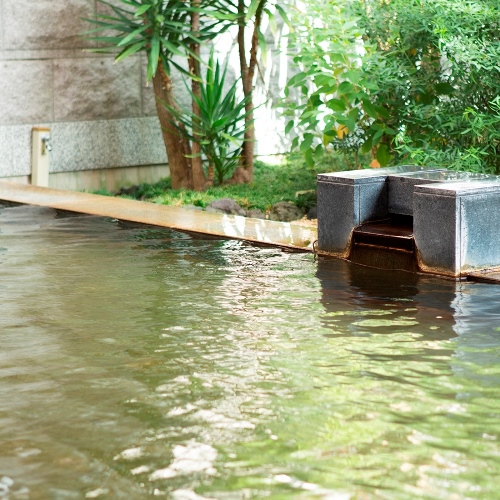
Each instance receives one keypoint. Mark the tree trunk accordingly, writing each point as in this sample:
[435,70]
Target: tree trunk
[249,137]
[244,172]
[198,176]
[178,162]
[211,172]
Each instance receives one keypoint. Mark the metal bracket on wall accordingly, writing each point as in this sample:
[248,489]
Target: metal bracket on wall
[41,147]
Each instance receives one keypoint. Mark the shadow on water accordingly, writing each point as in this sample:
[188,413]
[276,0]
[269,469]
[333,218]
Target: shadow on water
[443,309]
[360,288]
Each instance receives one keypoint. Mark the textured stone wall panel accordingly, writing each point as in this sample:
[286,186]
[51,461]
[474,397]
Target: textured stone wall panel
[46,24]
[91,145]
[15,150]
[96,88]
[26,92]
[148,95]
[1,25]
[148,101]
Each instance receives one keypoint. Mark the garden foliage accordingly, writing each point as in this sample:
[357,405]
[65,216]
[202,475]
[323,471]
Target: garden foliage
[171,34]
[405,80]
[220,119]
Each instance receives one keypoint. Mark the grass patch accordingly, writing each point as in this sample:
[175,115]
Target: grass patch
[291,181]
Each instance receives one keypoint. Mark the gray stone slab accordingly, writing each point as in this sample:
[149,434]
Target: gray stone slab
[15,150]
[85,145]
[401,187]
[354,177]
[96,88]
[367,175]
[99,144]
[460,188]
[436,230]
[26,92]
[338,214]
[46,24]
[443,175]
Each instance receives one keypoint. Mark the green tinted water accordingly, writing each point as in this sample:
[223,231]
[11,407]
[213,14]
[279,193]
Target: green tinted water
[139,362]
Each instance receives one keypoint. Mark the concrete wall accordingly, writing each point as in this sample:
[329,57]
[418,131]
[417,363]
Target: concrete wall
[101,114]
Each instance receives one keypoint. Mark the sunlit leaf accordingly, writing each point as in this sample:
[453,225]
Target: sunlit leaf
[142,9]
[307,142]
[383,155]
[252,9]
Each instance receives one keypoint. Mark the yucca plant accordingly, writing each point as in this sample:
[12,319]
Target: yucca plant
[163,29]
[220,126]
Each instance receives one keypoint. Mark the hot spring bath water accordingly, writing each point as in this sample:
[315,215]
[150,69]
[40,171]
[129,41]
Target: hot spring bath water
[139,362]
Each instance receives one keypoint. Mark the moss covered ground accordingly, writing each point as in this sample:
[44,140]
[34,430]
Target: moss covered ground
[290,181]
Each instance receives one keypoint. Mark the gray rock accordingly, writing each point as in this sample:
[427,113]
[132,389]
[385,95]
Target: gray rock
[313,213]
[285,211]
[225,206]
[256,214]
[131,191]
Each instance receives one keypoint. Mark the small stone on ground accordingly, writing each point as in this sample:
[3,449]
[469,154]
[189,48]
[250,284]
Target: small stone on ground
[225,206]
[285,211]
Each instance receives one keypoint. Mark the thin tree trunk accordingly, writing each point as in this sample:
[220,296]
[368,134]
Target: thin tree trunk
[178,162]
[244,173]
[198,176]
[211,172]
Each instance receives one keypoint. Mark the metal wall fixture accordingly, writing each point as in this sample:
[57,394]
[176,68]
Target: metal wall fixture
[40,158]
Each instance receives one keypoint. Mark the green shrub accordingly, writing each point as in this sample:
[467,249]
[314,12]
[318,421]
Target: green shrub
[404,80]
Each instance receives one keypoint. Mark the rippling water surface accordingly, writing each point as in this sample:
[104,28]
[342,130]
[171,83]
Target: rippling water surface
[138,362]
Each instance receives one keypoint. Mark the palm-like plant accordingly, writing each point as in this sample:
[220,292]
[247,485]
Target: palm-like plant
[167,28]
[160,28]
[163,29]
[220,126]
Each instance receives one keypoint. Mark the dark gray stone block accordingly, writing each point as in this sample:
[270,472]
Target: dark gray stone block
[342,207]
[372,201]
[456,225]
[337,215]
[480,233]
[401,187]
[436,232]
[347,199]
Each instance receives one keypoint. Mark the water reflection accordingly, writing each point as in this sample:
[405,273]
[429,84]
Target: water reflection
[439,368]
[363,288]
[140,362]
